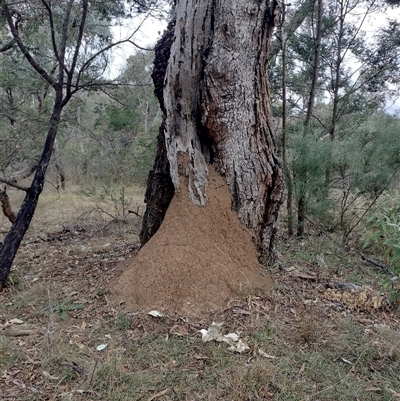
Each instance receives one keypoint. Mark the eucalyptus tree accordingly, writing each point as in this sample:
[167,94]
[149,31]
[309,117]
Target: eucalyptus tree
[79,37]
[210,78]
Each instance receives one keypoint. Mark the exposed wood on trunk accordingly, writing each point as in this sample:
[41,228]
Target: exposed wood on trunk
[216,100]
[182,94]
[6,206]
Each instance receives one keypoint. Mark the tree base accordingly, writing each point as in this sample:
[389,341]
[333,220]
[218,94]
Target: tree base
[200,258]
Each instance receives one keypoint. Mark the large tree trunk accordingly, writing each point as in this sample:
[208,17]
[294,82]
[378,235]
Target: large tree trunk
[216,104]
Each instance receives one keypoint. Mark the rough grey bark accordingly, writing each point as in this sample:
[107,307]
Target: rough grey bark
[216,104]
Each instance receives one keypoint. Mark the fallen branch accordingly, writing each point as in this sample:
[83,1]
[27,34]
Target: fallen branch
[74,367]
[18,333]
[135,213]
[376,263]
[323,232]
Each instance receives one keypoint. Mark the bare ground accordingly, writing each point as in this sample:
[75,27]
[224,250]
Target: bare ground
[319,341]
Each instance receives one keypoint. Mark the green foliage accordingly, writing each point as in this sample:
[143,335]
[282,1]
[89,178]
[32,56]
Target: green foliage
[63,308]
[119,117]
[109,195]
[383,229]
[105,135]
[310,157]
[339,161]
[114,131]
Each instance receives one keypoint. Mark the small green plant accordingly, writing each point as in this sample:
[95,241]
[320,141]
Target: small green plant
[107,194]
[63,308]
[383,229]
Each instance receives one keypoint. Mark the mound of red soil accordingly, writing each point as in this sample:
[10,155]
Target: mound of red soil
[199,259]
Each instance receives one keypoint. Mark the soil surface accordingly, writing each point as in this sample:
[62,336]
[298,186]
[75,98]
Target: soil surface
[200,258]
[327,330]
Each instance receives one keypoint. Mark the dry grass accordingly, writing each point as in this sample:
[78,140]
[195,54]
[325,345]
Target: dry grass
[59,290]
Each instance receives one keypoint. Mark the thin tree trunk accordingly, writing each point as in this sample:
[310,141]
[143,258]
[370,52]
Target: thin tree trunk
[317,54]
[13,239]
[216,103]
[289,182]
[60,175]
[336,83]
[301,216]
[301,202]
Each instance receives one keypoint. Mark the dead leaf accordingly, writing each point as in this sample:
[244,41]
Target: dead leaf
[241,312]
[16,321]
[49,376]
[302,369]
[397,395]
[239,347]
[265,355]
[200,357]
[233,339]
[179,330]
[373,389]
[212,333]
[161,393]
[321,262]
[155,313]
[306,276]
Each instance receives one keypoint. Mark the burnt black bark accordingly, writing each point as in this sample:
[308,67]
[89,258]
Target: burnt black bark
[210,78]
[160,189]
[13,239]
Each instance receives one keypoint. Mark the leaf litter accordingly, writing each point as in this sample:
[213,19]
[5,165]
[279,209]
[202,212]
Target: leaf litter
[67,273]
